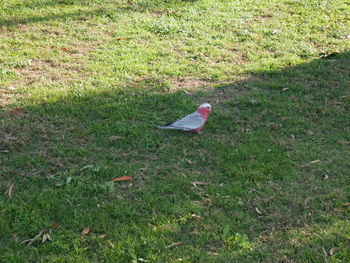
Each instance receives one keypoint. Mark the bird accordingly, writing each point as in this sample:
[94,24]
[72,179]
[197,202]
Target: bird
[193,122]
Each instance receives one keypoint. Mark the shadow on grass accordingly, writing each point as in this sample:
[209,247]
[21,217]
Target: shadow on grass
[109,12]
[275,157]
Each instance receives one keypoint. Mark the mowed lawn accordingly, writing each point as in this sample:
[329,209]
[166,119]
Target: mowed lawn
[85,83]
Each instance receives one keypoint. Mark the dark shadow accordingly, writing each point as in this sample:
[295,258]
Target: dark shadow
[83,14]
[258,153]
[80,15]
[36,4]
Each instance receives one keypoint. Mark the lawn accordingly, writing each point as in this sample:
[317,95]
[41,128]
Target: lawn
[85,83]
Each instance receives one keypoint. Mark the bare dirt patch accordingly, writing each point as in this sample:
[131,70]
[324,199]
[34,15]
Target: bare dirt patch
[6,97]
[48,71]
[187,83]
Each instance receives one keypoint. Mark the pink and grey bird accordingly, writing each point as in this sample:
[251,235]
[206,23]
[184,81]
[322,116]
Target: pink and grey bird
[193,122]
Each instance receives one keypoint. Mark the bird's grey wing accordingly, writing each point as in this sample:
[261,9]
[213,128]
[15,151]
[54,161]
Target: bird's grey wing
[190,122]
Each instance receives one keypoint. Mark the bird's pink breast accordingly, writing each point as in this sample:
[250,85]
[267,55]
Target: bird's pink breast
[204,113]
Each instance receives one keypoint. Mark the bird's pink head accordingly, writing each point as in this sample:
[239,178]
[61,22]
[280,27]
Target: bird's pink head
[204,109]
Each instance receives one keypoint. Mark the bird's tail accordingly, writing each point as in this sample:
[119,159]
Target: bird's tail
[165,127]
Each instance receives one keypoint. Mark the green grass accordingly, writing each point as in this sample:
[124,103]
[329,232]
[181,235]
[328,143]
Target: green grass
[275,150]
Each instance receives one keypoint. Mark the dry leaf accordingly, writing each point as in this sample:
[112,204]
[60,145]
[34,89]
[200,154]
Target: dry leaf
[144,169]
[257,210]
[310,133]
[16,110]
[174,244]
[284,89]
[9,138]
[196,216]
[324,252]
[43,234]
[101,236]
[120,38]
[85,231]
[45,238]
[199,183]
[115,138]
[9,190]
[123,178]
[344,142]
[332,250]
[213,253]
[315,161]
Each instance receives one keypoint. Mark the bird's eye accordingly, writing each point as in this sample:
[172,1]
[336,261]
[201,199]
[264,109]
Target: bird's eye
[208,107]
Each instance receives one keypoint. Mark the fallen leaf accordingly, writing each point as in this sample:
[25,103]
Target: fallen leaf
[101,236]
[87,167]
[45,238]
[196,216]
[143,169]
[199,183]
[142,260]
[257,210]
[344,142]
[252,101]
[120,38]
[315,161]
[85,232]
[9,190]
[17,110]
[43,235]
[284,89]
[310,133]
[213,253]
[64,49]
[9,138]
[123,178]
[332,250]
[115,138]
[190,162]
[174,244]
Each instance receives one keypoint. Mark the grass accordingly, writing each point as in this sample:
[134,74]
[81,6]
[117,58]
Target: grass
[274,152]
